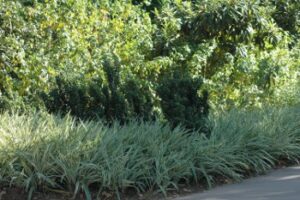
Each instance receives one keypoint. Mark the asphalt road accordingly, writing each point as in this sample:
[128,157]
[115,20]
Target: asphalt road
[282,184]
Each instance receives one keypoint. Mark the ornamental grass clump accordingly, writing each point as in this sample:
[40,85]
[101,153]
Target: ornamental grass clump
[44,152]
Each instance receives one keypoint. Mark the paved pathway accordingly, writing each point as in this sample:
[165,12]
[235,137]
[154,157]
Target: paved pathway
[282,184]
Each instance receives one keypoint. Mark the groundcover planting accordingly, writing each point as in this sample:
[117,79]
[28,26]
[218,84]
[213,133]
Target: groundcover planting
[43,152]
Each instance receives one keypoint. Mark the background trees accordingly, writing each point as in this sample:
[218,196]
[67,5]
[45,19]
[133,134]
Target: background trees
[111,57]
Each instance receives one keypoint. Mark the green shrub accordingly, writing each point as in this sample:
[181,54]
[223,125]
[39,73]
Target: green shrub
[95,99]
[181,103]
[109,98]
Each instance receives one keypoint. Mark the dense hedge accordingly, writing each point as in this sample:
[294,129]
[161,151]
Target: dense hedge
[111,57]
[180,102]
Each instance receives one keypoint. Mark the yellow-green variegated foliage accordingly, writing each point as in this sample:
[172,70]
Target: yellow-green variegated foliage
[246,51]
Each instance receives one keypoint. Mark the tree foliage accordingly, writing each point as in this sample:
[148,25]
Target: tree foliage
[245,51]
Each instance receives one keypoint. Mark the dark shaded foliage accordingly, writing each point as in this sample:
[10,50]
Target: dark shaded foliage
[181,103]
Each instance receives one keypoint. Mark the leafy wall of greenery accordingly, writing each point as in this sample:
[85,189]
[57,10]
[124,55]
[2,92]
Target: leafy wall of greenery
[244,51]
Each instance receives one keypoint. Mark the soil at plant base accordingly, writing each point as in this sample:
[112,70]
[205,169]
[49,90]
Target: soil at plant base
[20,194]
